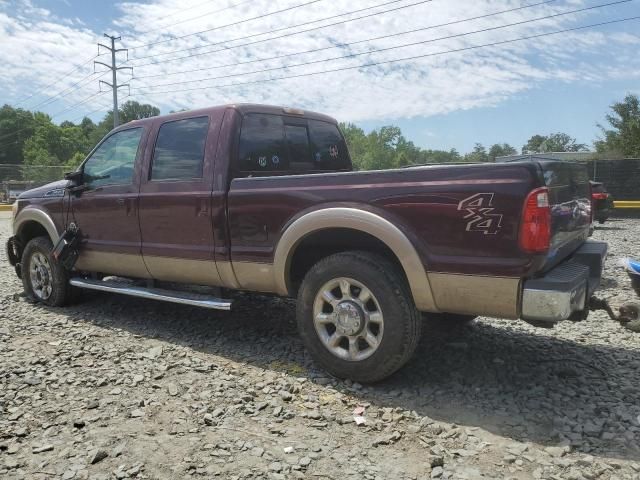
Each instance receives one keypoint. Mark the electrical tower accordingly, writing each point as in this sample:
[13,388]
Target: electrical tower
[114,70]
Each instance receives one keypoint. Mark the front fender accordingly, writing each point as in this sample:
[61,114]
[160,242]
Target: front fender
[33,214]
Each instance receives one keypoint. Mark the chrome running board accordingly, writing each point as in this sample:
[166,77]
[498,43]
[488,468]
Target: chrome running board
[184,298]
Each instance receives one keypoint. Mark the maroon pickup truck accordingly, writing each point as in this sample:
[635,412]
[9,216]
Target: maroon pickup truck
[264,199]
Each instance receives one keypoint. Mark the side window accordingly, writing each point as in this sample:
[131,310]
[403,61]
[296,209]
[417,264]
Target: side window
[262,145]
[179,150]
[328,147]
[114,160]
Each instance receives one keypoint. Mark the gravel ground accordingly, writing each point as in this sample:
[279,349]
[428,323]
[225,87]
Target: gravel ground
[116,387]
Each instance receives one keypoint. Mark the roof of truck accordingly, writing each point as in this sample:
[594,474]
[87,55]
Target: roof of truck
[242,108]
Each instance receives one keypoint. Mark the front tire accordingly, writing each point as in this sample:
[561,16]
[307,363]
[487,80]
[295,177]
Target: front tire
[356,316]
[44,280]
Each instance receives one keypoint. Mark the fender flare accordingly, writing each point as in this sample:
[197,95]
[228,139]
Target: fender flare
[35,215]
[364,221]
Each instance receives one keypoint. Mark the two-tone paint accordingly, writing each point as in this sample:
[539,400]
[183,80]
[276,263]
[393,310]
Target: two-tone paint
[452,229]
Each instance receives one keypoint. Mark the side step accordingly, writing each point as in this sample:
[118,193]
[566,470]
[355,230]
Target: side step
[185,298]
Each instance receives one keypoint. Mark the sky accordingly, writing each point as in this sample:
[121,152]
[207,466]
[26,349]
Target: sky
[433,72]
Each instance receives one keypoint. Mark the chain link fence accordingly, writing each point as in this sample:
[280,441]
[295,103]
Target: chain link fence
[15,179]
[620,177]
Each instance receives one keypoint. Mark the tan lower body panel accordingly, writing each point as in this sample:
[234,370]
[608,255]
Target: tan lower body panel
[476,295]
[181,270]
[255,276]
[124,264]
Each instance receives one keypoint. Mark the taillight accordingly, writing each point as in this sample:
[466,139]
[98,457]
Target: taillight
[599,196]
[535,229]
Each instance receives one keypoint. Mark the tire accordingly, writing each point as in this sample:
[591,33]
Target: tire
[43,279]
[386,316]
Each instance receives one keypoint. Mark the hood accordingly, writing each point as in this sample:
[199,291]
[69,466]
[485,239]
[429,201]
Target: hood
[53,189]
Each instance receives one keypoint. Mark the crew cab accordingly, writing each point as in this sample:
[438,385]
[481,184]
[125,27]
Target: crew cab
[264,199]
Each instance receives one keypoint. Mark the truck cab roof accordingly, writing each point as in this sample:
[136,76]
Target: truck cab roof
[242,108]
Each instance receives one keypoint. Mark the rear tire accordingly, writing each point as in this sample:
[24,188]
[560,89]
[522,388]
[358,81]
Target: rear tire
[44,280]
[356,316]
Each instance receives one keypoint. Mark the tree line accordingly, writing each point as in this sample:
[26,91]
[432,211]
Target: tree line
[388,148]
[31,140]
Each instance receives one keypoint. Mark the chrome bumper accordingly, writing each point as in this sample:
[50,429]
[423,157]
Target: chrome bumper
[566,288]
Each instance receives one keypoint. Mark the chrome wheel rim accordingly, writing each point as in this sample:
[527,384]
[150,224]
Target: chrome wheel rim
[348,319]
[41,275]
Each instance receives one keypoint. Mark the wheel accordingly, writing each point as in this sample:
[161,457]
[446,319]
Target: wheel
[43,279]
[356,316]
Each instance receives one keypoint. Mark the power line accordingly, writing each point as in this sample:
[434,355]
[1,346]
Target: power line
[353,55]
[227,25]
[67,91]
[278,30]
[193,18]
[57,80]
[342,45]
[404,59]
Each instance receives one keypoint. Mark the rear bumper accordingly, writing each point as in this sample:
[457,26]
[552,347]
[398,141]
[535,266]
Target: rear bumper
[566,288]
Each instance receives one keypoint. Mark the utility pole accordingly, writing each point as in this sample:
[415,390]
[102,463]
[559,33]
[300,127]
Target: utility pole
[114,70]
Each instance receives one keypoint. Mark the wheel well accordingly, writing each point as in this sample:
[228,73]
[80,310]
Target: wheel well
[30,230]
[322,243]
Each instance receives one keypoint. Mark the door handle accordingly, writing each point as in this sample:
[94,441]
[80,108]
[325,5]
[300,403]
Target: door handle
[128,202]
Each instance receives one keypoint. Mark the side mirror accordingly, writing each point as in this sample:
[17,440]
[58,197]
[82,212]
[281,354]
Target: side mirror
[77,185]
[75,178]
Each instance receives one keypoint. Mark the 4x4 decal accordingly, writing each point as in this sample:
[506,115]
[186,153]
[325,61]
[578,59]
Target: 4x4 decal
[480,214]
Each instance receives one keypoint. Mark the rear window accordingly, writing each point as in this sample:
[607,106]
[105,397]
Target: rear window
[273,143]
[179,151]
[329,148]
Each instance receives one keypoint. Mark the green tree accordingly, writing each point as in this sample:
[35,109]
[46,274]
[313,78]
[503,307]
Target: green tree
[500,150]
[128,111]
[16,126]
[388,148]
[623,138]
[554,142]
[479,154]
[52,149]
[74,162]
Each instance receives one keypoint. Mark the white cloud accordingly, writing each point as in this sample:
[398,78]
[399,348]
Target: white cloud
[44,47]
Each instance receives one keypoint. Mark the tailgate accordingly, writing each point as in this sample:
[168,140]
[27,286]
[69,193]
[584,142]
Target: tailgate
[570,201]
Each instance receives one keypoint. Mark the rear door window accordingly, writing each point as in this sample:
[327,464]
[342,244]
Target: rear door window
[262,144]
[179,151]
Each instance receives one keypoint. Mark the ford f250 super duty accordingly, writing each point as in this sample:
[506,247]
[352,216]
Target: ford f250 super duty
[264,199]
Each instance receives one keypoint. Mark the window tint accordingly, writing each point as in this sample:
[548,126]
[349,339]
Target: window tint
[179,151]
[270,143]
[113,161]
[262,145]
[328,147]
[298,148]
